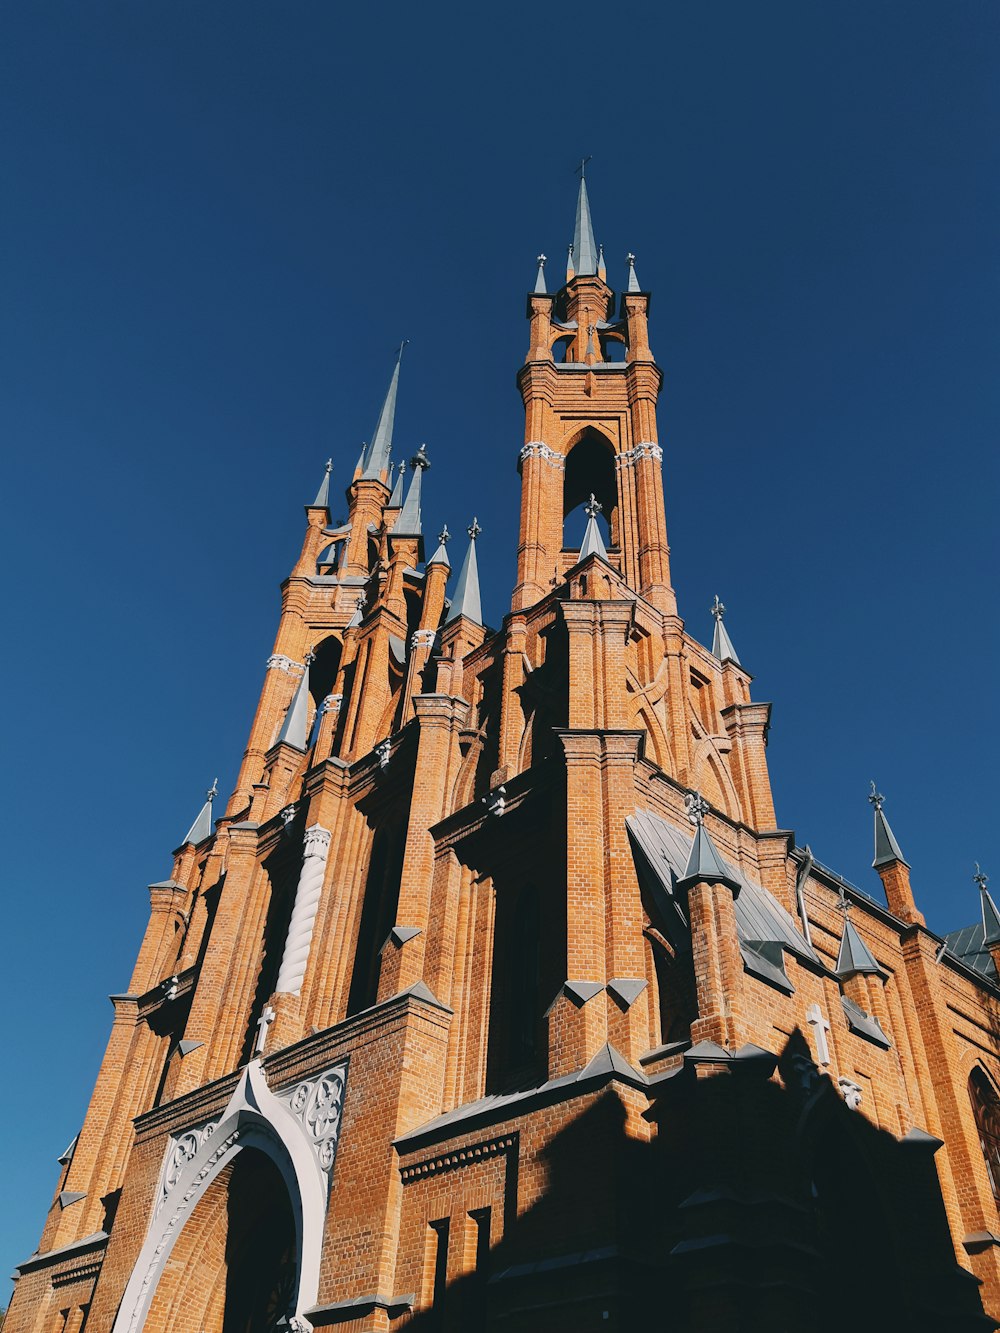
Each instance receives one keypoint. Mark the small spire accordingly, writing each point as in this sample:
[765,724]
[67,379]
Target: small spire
[440,556]
[408,523]
[322,500]
[633,281]
[854,957]
[886,846]
[991,917]
[540,288]
[704,865]
[722,644]
[602,268]
[570,270]
[584,247]
[295,728]
[359,607]
[396,498]
[375,458]
[202,826]
[593,542]
[467,601]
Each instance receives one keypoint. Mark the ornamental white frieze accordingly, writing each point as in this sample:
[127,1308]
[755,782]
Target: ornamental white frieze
[318,1106]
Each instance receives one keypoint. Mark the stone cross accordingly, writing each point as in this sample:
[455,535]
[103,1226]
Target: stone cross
[820,1027]
[592,508]
[263,1023]
[876,797]
[717,608]
[980,879]
[474,529]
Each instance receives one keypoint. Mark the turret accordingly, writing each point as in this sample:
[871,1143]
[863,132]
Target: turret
[892,866]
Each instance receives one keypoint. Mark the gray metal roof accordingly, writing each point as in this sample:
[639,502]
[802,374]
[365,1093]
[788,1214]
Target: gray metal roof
[633,281]
[540,288]
[322,500]
[666,850]
[854,955]
[722,644]
[969,947]
[202,826]
[408,523]
[886,846]
[991,918]
[705,865]
[467,601]
[864,1025]
[295,728]
[584,248]
[593,542]
[396,498]
[375,459]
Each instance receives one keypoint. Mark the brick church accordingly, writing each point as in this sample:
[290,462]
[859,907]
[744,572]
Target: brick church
[495,997]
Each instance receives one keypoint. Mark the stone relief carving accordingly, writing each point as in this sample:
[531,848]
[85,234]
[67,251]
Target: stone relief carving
[317,1105]
[851,1092]
[536,449]
[629,457]
[279,662]
[180,1150]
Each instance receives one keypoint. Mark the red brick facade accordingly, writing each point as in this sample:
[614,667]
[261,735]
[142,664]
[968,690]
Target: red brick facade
[438,1026]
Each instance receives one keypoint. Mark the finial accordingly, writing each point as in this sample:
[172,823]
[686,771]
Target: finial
[633,281]
[722,644]
[980,879]
[696,806]
[718,608]
[444,536]
[540,287]
[213,791]
[592,508]
[322,500]
[582,168]
[887,848]
[876,798]
[474,529]
[420,459]
[602,268]
[309,658]
[844,905]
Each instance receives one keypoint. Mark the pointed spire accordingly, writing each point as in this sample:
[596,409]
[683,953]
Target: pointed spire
[602,268]
[295,728]
[593,542]
[854,957]
[540,288]
[359,610]
[722,644]
[408,523]
[396,498]
[202,826]
[991,917]
[633,281]
[440,556]
[322,500]
[704,865]
[886,846]
[466,601]
[584,247]
[375,458]
[570,270]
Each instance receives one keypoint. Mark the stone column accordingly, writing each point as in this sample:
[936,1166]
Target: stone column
[288,988]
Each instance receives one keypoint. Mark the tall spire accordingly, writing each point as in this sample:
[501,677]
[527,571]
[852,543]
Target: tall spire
[295,728]
[408,523]
[593,542]
[584,247]
[202,826]
[467,601]
[322,500]
[886,846]
[991,917]
[722,644]
[540,289]
[375,459]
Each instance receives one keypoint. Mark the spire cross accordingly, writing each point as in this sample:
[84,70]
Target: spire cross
[540,261]
[980,879]
[444,536]
[582,167]
[876,797]
[844,905]
[213,791]
[718,608]
[592,508]
[329,465]
[630,259]
[420,459]
[697,807]
[474,529]
[263,1023]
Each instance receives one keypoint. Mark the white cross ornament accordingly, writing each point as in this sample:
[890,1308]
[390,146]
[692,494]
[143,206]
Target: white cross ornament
[820,1027]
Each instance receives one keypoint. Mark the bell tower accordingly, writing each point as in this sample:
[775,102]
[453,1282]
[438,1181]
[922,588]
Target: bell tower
[590,385]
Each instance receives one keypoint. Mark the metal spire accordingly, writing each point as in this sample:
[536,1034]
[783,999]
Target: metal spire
[408,523]
[396,498]
[540,287]
[584,248]
[602,268]
[295,728]
[322,500]
[722,644]
[991,917]
[854,956]
[440,556]
[202,826]
[359,607]
[633,281]
[466,601]
[886,846]
[375,459]
[593,542]
[704,865]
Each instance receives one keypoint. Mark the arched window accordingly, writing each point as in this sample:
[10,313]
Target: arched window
[324,668]
[590,470]
[986,1109]
[516,1055]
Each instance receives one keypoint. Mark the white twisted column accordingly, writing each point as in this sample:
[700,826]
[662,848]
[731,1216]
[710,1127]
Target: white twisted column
[315,850]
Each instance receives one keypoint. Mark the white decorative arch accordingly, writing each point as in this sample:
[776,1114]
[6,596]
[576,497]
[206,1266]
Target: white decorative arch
[296,1129]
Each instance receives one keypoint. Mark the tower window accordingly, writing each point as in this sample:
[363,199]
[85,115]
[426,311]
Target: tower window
[590,470]
[986,1109]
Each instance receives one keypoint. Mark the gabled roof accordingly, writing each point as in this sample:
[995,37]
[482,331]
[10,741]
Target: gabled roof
[969,947]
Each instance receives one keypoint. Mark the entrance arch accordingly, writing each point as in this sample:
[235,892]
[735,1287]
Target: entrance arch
[194,1231]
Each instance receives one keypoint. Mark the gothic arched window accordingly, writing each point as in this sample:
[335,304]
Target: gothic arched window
[986,1109]
[590,470]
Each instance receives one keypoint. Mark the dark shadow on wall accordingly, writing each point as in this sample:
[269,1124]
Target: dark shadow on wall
[756,1206]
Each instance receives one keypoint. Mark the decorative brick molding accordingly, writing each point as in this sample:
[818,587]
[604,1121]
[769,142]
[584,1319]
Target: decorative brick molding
[459,1157]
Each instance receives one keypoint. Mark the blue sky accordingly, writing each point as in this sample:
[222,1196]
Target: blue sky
[220,218]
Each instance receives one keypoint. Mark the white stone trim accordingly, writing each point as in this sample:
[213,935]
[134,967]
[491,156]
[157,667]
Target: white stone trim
[315,850]
[254,1118]
[279,662]
[632,456]
[537,449]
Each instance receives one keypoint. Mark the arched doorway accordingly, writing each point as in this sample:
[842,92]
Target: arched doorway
[234,1267]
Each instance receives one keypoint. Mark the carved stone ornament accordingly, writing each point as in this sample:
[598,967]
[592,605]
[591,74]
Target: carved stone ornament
[180,1151]
[287,816]
[423,638]
[318,1104]
[279,662]
[536,449]
[629,457]
[496,801]
[851,1093]
[384,752]
[331,704]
